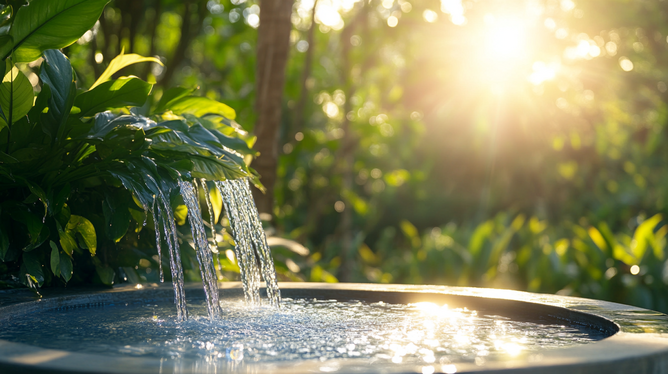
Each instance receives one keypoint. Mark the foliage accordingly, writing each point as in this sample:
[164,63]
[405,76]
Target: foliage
[446,133]
[81,167]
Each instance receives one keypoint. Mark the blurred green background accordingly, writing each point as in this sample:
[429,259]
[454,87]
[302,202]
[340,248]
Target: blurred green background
[517,144]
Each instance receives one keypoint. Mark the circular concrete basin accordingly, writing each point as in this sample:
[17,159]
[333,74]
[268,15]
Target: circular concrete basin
[637,339]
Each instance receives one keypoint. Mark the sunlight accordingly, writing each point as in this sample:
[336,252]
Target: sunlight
[543,72]
[501,55]
[505,39]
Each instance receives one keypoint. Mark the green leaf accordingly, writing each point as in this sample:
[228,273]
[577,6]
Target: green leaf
[33,266]
[106,123]
[37,191]
[139,190]
[119,62]
[20,213]
[55,258]
[49,24]
[85,228]
[38,240]
[106,274]
[16,95]
[237,144]
[56,72]
[116,215]
[65,267]
[215,168]
[67,241]
[644,236]
[172,95]
[126,91]
[7,159]
[200,106]
[37,110]
[60,199]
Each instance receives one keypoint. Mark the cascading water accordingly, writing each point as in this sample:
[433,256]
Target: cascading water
[204,257]
[250,243]
[250,240]
[168,224]
[240,200]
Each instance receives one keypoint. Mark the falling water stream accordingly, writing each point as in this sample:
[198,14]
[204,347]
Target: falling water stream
[250,243]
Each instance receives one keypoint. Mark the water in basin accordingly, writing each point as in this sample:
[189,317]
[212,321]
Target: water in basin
[299,330]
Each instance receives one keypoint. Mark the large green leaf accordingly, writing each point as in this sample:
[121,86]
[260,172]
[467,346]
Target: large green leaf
[644,237]
[134,185]
[237,144]
[7,159]
[125,91]
[116,215]
[172,95]
[219,140]
[119,62]
[215,169]
[33,266]
[56,72]
[49,24]
[38,109]
[21,213]
[200,106]
[106,122]
[85,228]
[67,240]
[55,259]
[106,274]
[16,95]
[65,267]
[37,191]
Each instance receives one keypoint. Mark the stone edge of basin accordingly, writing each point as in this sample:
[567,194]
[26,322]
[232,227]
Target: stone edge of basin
[638,341]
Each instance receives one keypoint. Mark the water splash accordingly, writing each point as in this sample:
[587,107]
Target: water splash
[204,257]
[250,240]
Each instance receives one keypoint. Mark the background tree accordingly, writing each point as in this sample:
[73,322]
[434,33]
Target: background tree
[273,44]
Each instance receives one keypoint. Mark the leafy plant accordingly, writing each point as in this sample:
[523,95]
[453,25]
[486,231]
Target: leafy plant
[78,166]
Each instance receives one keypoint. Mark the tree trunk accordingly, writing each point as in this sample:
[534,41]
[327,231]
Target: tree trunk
[298,124]
[273,45]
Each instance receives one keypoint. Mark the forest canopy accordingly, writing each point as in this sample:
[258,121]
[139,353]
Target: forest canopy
[502,143]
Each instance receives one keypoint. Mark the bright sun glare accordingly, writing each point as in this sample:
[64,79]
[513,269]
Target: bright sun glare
[505,39]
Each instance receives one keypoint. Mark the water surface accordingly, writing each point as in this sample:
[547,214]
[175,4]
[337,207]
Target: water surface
[299,330]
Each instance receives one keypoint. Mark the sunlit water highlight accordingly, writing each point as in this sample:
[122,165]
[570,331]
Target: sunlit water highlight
[300,330]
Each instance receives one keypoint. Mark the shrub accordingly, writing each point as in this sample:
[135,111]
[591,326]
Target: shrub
[80,167]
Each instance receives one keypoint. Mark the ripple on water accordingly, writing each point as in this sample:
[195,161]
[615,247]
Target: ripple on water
[300,330]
